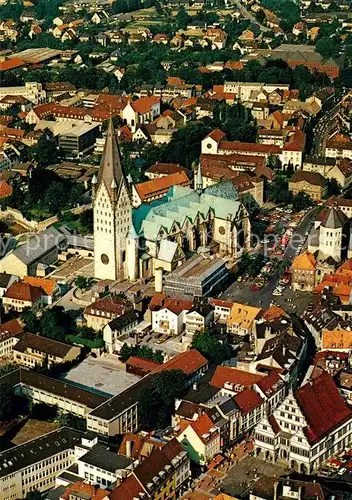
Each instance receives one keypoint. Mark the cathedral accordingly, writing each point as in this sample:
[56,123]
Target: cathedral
[130,243]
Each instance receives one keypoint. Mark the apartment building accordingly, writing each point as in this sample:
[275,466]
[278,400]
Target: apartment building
[9,332]
[102,311]
[338,147]
[243,90]
[30,90]
[312,184]
[35,464]
[165,473]
[198,318]
[78,140]
[292,151]
[34,350]
[222,309]
[169,318]
[318,164]
[241,320]
[199,438]
[100,465]
[146,192]
[20,296]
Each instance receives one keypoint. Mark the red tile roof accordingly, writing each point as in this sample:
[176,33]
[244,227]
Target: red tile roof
[175,80]
[98,114]
[14,62]
[221,303]
[23,291]
[141,447]
[173,304]
[156,301]
[217,135]
[224,374]
[160,185]
[189,362]
[202,427]
[46,284]
[5,189]
[145,364]
[322,406]
[11,132]
[127,490]
[296,142]
[238,65]
[10,329]
[275,426]
[165,168]
[144,104]
[114,305]
[273,312]
[248,400]
[269,384]
[250,147]
[80,487]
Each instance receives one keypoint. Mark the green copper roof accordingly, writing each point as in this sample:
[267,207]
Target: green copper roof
[182,202]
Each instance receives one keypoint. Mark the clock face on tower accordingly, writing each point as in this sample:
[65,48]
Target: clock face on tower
[104,258]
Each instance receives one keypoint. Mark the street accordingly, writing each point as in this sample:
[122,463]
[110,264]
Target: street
[247,15]
[321,130]
[291,301]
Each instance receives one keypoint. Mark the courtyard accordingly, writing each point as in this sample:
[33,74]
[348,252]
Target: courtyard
[242,476]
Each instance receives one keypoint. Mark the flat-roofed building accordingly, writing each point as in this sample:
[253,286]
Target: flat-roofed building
[53,392]
[198,276]
[119,414]
[78,140]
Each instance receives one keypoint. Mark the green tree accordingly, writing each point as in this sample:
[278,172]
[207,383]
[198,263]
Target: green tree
[333,188]
[7,368]
[46,152]
[278,191]
[86,222]
[126,352]
[182,18]
[170,385]
[81,282]
[55,323]
[56,197]
[327,46]
[30,320]
[34,495]
[301,201]
[7,401]
[260,16]
[148,407]
[236,121]
[208,345]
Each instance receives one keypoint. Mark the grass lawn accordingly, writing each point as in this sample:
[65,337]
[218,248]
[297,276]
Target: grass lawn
[33,429]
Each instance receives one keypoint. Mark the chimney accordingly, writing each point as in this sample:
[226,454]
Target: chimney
[128,448]
[276,490]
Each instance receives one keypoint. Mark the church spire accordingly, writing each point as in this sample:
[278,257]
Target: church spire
[199,180]
[110,170]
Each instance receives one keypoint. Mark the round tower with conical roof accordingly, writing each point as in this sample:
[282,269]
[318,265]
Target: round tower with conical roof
[331,233]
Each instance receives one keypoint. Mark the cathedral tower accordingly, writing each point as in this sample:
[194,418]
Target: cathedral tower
[112,212]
